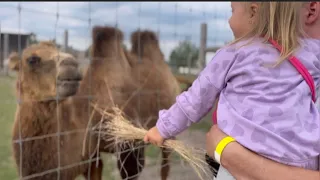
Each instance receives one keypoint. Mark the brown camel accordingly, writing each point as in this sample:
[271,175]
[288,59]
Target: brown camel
[158,82]
[46,78]
[138,81]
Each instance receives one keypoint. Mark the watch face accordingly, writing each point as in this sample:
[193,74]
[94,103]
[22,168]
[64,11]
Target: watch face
[214,166]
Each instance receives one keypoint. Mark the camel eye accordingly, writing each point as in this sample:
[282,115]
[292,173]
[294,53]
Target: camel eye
[33,60]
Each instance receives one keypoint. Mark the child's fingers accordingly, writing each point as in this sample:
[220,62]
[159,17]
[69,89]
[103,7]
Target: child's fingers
[154,142]
[159,144]
[146,139]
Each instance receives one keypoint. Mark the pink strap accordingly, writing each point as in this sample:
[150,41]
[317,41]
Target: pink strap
[300,68]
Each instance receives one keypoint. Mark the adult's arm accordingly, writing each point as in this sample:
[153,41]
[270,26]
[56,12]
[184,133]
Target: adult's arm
[245,164]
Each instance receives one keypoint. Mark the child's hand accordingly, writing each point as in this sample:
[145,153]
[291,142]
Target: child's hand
[153,136]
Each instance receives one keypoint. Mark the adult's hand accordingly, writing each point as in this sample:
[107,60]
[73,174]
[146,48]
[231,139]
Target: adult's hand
[214,136]
[245,164]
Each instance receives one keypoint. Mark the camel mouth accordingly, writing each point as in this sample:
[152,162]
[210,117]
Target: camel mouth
[66,88]
[69,73]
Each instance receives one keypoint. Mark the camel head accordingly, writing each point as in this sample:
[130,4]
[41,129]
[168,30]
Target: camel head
[45,73]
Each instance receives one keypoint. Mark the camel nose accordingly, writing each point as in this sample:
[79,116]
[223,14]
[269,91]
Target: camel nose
[33,60]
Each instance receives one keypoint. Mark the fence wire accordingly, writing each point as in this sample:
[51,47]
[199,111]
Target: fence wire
[173,22]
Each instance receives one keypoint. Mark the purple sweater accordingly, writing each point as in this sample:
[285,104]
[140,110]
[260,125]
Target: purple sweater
[267,110]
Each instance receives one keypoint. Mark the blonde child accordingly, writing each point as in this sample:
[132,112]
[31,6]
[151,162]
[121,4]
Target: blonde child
[266,98]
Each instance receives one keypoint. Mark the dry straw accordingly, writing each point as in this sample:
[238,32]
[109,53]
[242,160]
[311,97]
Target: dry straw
[123,131]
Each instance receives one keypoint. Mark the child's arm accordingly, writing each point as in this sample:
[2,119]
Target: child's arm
[195,103]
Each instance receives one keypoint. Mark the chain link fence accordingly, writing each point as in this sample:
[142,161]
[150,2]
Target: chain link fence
[188,32]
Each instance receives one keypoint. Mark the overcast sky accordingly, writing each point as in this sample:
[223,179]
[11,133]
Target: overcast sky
[175,21]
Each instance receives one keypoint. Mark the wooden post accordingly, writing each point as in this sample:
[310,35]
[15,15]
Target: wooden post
[28,40]
[6,50]
[65,45]
[1,51]
[5,46]
[189,63]
[203,45]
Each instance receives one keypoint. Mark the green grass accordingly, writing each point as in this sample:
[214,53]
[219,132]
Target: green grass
[7,110]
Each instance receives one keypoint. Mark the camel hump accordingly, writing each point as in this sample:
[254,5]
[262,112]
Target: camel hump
[106,41]
[47,43]
[146,44]
[142,37]
[106,33]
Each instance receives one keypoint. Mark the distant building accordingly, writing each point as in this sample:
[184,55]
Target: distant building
[9,42]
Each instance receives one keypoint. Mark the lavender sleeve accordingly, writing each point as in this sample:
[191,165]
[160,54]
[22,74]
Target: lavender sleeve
[192,105]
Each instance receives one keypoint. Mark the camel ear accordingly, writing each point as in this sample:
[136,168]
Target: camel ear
[13,61]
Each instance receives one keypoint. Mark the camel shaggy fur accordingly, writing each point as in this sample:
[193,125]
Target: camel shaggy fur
[140,82]
[46,78]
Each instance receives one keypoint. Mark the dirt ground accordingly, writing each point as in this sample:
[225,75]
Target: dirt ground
[179,169]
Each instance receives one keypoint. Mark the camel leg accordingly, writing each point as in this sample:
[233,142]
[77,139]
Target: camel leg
[95,171]
[131,163]
[165,164]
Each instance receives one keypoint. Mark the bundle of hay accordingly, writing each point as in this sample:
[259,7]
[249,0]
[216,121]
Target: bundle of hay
[123,132]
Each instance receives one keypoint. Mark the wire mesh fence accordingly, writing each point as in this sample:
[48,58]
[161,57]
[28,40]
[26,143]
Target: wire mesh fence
[69,25]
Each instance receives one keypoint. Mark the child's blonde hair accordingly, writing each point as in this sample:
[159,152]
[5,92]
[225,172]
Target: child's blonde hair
[279,21]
